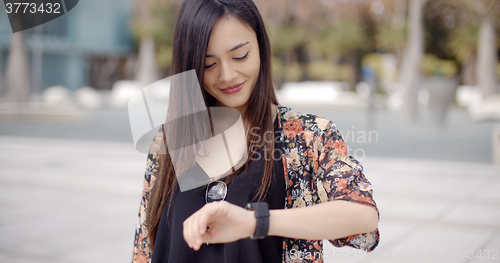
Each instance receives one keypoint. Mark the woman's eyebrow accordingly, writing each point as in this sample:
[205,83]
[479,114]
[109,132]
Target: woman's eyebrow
[232,49]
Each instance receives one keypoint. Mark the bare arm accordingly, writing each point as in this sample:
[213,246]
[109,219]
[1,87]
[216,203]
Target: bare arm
[330,220]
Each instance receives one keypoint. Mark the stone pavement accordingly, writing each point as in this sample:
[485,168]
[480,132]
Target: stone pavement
[76,201]
[432,211]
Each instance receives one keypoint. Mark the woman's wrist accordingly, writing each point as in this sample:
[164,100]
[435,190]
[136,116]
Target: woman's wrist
[251,224]
[261,213]
[273,226]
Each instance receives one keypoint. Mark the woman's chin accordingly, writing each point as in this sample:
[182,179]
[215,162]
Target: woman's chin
[232,104]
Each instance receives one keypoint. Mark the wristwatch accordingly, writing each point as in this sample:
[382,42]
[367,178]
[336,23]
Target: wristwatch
[261,210]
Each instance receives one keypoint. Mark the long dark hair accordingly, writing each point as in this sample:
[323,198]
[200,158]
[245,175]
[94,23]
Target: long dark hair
[195,20]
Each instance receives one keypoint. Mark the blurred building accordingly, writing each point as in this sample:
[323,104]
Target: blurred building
[87,46]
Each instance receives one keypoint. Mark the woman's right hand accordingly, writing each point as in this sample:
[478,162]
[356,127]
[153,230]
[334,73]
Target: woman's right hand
[227,223]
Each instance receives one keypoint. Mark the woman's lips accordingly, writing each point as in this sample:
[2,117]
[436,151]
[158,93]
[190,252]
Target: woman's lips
[233,89]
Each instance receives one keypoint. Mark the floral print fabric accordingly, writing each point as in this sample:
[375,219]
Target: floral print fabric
[142,252]
[317,169]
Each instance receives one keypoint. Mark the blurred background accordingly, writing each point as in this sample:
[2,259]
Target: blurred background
[413,86]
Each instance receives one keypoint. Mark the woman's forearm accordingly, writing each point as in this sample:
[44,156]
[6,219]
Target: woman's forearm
[330,220]
[228,222]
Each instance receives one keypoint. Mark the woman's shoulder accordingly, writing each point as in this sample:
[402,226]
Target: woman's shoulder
[292,119]
[310,130]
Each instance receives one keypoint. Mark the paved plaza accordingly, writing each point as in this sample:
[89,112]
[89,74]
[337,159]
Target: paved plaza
[76,200]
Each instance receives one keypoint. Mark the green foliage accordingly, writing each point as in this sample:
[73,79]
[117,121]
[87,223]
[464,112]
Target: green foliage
[321,70]
[286,38]
[164,56]
[141,29]
[463,40]
[277,67]
[326,70]
[476,8]
[293,71]
[391,37]
[337,40]
[159,25]
[433,66]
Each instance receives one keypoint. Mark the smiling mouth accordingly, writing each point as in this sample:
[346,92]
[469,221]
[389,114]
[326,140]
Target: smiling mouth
[233,89]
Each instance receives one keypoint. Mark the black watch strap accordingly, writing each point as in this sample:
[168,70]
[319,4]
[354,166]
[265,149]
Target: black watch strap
[261,210]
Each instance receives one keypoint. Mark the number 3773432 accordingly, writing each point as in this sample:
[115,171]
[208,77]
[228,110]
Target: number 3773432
[33,8]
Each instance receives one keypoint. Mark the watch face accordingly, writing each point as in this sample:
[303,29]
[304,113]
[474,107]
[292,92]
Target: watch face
[249,206]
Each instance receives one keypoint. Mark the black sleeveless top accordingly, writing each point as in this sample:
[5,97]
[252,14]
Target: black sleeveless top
[170,245]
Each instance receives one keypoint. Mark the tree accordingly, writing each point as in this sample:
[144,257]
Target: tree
[291,24]
[488,12]
[17,77]
[287,42]
[342,40]
[152,27]
[487,58]
[392,38]
[410,73]
[463,41]
[305,31]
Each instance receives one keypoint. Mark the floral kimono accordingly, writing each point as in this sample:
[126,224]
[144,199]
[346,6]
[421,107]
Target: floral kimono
[317,169]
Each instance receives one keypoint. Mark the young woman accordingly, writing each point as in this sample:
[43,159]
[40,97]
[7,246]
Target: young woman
[313,189]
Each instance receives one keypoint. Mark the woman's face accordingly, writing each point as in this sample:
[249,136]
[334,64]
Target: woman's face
[232,63]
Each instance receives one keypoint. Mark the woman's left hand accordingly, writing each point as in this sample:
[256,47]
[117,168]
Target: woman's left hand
[227,223]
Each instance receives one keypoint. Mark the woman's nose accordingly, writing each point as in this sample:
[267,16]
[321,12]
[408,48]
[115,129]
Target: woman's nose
[227,73]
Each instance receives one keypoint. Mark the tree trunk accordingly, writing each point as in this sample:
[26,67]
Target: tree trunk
[17,76]
[487,59]
[147,71]
[410,72]
[351,61]
[468,71]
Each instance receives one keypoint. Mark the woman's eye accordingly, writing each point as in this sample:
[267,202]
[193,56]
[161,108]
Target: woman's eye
[241,58]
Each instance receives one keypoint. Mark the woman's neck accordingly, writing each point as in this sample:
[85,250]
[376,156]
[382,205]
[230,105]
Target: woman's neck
[242,108]
[274,113]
